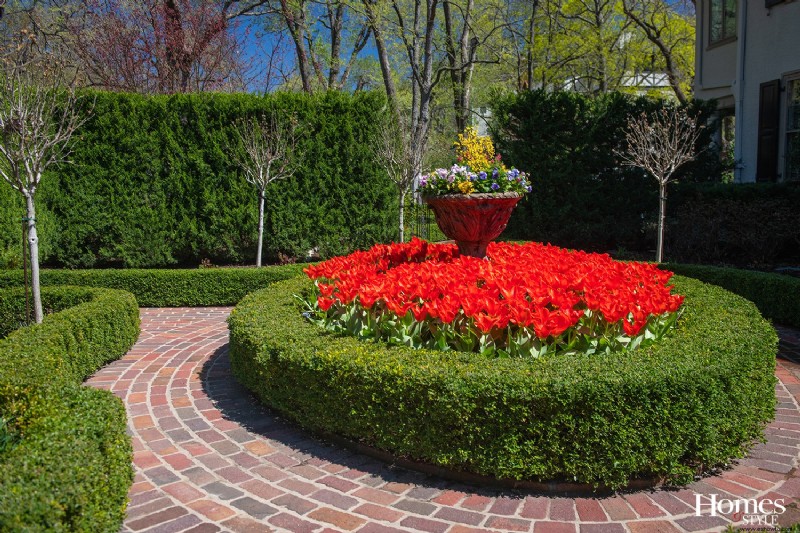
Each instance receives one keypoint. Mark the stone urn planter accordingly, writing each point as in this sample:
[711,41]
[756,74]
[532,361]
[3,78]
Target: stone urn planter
[473,220]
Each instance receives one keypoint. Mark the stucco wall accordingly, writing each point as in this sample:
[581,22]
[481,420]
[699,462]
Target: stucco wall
[771,51]
[715,66]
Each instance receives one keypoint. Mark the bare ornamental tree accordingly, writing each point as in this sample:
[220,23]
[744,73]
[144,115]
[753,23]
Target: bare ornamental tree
[660,144]
[268,153]
[38,116]
[392,151]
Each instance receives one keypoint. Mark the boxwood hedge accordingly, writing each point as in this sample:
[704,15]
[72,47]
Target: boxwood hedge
[69,466]
[168,287]
[777,296]
[54,299]
[698,398]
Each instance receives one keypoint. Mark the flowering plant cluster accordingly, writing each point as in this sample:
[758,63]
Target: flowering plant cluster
[478,170]
[526,300]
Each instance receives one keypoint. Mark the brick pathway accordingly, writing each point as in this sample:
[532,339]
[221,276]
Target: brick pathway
[208,458]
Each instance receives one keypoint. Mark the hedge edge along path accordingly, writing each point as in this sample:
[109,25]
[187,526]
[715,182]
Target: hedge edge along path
[70,469]
[168,287]
[697,399]
[777,296]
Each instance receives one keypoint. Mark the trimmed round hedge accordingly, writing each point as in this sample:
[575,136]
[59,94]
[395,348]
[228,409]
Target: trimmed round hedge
[69,466]
[698,398]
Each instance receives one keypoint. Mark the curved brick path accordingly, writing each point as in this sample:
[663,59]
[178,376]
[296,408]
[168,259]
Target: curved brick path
[208,458]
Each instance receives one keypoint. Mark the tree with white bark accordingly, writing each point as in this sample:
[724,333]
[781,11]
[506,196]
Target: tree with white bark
[268,154]
[392,151]
[660,144]
[38,117]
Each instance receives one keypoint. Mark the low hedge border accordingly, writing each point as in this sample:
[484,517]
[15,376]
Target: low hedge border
[168,287]
[70,469]
[697,399]
[777,296]
[54,299]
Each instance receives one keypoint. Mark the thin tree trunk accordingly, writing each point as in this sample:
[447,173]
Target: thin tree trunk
[402,215]
[455,74]
[261,197]
[335,18]
[466,68]
[662,216]
[33,245]
[297,30]
[460,73]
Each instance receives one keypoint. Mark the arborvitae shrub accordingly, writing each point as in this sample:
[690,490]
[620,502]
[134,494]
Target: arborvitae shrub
[153,183]
[582,195]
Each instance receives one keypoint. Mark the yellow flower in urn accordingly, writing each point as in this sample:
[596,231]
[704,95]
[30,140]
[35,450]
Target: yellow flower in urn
[466,187]
[474,151]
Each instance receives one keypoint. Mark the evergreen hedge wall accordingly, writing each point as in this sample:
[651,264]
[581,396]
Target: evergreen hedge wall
[582,196]
[153,183]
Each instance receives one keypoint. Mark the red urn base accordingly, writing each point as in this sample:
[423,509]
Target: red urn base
[473,220]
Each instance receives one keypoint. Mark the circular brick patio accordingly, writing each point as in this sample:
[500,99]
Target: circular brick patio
[210,458]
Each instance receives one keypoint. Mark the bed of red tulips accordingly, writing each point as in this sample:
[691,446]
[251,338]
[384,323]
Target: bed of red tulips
[524,300]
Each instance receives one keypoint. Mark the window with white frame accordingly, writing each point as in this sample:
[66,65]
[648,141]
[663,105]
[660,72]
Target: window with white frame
[792,147]
[722,20]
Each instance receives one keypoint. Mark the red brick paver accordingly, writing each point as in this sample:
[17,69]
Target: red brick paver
[208,457]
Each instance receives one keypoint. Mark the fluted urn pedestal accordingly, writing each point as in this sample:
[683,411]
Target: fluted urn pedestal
[473,220]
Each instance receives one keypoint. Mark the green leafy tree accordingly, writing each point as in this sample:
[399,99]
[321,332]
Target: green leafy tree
[669,26]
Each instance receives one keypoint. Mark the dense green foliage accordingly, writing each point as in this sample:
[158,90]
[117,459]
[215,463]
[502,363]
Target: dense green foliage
[582,196]
[751,225]
[776,296]
[696,399]
[54,299]
[70,468]
[7,436]
[153,183]
[167,288]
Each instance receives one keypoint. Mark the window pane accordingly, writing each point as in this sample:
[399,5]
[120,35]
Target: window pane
[793,122]
[793,156]
[716,20]
[730,18]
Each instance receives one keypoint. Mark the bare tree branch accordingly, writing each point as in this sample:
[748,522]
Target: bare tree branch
[660,144]
[38,117]
[268,153]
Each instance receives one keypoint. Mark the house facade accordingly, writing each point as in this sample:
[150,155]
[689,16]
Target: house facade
[748,58]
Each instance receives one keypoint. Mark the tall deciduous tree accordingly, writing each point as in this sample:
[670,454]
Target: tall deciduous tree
[660,144]
[669,26]
[157,46]
[328,38]
[269,153]
[603,43]
[416,26]
[38,116]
